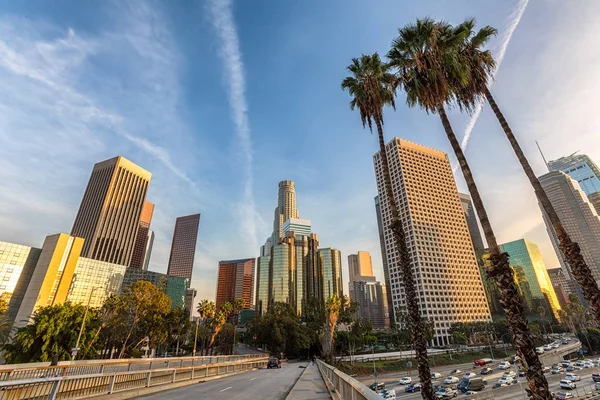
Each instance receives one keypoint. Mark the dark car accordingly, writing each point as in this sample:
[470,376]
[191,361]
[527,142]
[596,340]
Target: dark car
[596,377]
[273,363]
[486,370]
[375,386]
[413,387]
[521,372]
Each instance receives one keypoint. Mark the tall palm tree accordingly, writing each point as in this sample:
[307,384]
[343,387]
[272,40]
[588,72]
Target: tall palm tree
[206,310]
[372,87]
[481,65]
[427,60]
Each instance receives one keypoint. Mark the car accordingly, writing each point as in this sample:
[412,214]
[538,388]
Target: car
[555,345]
[486,370]
[405,381]
[587,364]
[565,341]
[579,363]
[504,365]
[556,370]
[388,394]
[564,364]
[572,377]
[539,350]
[376,386]
[563,395]
[546,369]
[413,387]
[469,375]
[455,372]
[597,386]
[514,359]
[451,379]
[509,374]
[499,385]
[470,393]
[273,363]
[521,372]
[506,380]
[572,368]
[547,347]
[446,393]
[596,377]
[567,384]
[436,375]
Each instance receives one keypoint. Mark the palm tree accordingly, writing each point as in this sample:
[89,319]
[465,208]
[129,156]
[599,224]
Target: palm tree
[427,60]
[206,310]
[372,86]
[333,306]
[481,65]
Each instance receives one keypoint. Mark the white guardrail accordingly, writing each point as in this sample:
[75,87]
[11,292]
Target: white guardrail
[65,382]
[342,386]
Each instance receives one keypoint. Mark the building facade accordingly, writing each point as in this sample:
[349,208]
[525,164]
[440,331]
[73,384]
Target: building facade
[360,265]
[330,262]
[149,245]
[140,247]
[173,286]
[581,168]
[93,281]
[190,303]
[15,260]
[183,247]
[285,210]
[594,198]
[235,281]
[559,277]
[474,232]
[262,283]
[525,255]
[444,265]
[372,303]
[386,270]
[109,214]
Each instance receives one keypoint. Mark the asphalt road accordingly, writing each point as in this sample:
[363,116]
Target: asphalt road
[264,384]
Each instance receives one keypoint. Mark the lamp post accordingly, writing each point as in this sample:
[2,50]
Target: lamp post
[87,307]
[196,336]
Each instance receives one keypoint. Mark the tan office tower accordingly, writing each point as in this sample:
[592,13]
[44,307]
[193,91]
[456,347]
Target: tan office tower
[448,282]
[109,214]
[286,208]
[360,265]
[140,247]
[183,247]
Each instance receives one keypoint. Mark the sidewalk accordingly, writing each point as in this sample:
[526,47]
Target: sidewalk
[309,386]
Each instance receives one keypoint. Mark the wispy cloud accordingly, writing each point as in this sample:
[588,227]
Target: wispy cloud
[221,15]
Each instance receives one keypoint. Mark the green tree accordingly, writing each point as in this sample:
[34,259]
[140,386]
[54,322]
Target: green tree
[332,312]
[372,86]
[427,58]
[224,339]
[459,338]
[480,65]
[315,322]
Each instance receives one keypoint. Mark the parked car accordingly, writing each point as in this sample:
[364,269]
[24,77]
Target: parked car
[273,363]
[565,341]
[413,387]
[446,393]
[469,375]
[486,370]
[451,379]
[567,384]
[546,369]
[596,377]
[482,362]
[405,381]
[563,395]
[388,394]
[587,364]
[572,377]
[504,365]
[597,386]
[435,375]
[376,386]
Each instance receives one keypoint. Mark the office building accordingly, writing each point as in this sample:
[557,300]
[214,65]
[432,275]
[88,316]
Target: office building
[109,214]
[594,198]
[444,265]
[262,282]
[330,262]
[15,260]
[559,277]
[285,210]
[235,281]
[93,281]
[562,296]
[300,226]
[525,255]
[372,303]
[183,247]
[492,292]
[474,232]
[190,304]
[581,168]
[174,287]
[140,247]
[386,270]
[149,245]
[360,265]
[578,217]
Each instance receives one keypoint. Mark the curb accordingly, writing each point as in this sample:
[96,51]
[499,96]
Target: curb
[287,395]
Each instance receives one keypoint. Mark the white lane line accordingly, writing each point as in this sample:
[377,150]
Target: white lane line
[222,390]
[252,379]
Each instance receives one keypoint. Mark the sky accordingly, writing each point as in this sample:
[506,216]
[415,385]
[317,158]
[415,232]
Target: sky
[221,100]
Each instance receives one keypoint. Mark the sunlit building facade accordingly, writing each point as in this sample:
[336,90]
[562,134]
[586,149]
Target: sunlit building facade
[262,283]
[235,281]
[330,262]
[581,168]
[444,265]
[474,232]
[372,303]
[15,260]
[140,247]
[183,247]
[360,265]
[93,281]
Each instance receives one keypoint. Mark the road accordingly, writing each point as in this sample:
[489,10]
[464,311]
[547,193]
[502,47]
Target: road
[264,384]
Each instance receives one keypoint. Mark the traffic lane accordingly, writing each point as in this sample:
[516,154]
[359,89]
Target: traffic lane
[267,384]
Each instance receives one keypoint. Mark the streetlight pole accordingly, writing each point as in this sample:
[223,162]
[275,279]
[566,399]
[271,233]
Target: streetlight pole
[196,336]
[87,307]
[374,369]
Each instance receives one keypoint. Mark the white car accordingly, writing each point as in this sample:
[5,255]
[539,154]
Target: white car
[388,394]
[572,377]
[547,347]
[435,375]
[509,374]
[539,350]
[555,345]
[451,379]
[506,380]
[567,384]
[579,363]
[504,365]
[469,375]
[405,381]
[446,393]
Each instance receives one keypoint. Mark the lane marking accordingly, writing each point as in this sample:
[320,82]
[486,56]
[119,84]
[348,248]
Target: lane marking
[222,390]
[252,379]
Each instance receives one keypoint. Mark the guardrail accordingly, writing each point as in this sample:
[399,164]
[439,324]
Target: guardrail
[89,367]
[102,384]
[342,386]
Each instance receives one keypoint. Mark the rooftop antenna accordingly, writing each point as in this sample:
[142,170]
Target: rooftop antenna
[544,158]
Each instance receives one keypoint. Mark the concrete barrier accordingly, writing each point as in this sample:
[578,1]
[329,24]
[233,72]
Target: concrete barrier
[344,387]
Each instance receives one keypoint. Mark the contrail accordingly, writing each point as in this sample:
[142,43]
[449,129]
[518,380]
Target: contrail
[229,51]
[514,19]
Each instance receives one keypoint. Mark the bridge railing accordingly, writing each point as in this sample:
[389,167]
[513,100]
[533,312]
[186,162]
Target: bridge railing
[90,367]
[83,386]
[342,386]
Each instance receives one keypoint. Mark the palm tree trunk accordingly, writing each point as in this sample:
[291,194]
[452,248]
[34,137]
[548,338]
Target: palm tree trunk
[571,251]
[408,280]
[502,274]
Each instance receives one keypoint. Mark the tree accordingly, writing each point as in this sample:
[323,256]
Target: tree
[315,322]
[480,67]
[218,320]
[206,311]
[332,312]
[372,87]
[426,56]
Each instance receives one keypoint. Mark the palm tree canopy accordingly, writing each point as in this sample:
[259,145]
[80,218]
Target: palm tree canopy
[372,86]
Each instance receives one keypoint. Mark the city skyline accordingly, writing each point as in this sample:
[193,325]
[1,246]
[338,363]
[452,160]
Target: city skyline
[175,118]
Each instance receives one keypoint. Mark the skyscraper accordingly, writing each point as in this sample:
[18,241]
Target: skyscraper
[235,281]
[581,168]
[360,265]
[372,303]
[525,255]
[262,281]
[448,281]
[140,247]
[286,208]
[149,245]
[183,247]
[558,277]
[476,239]
[594,198]
[330,262]
[386,270]
[109,214]
[578,216]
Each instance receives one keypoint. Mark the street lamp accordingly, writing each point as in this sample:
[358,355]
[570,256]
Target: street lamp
[196,336]
[87,307]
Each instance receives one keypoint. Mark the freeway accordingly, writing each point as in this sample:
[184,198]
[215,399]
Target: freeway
[267,384]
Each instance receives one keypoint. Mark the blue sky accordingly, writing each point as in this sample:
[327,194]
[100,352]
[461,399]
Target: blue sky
[221,100]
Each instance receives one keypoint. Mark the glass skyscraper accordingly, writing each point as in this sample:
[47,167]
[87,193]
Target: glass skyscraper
[15,259]
[581,168]
[330,262]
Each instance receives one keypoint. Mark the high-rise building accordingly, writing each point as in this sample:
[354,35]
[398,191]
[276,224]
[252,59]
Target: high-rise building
[286,208]
[190,296]
[300,226]
[447,277]
[140,247]
[183,248]
[476,239]
[109,214]
[149,245]
[525,255]
[360,265]
[15,261]
[386,270]
[175,287]
[581,168]
[262,282]
[578,216]
[372,303]
[559,277]
[235,281]
[594,198]
[330,262]
[562,296]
